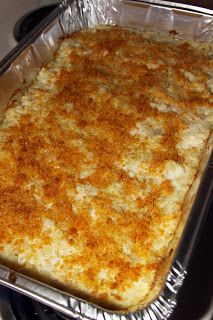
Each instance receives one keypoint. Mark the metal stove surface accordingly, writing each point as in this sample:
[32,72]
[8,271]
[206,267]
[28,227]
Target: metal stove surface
[15,306]
[10,12]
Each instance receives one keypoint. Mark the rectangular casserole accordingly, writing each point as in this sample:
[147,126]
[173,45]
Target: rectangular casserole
[100,161]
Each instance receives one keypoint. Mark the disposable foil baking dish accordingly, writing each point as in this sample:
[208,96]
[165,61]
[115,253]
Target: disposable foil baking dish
[20,67]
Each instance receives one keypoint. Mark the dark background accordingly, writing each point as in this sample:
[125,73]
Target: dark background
[196,293]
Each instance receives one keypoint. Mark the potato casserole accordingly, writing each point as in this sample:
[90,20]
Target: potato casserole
[97,156]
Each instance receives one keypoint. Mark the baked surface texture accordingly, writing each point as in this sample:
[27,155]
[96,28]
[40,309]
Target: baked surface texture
[97,157]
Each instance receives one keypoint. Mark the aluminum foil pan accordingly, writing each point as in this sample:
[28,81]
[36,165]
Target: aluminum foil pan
[20,67]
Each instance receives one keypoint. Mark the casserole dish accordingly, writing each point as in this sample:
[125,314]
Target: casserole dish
[87,23]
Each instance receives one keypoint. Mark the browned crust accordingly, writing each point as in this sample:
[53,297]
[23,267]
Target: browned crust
[166,264]
[163,267]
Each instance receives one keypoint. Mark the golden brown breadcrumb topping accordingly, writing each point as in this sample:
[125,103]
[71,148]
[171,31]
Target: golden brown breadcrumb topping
[85,135]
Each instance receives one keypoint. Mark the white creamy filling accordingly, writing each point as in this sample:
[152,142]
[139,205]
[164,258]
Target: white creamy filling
[189,75]
[194,136]
[210,84]
[150,128]
[85,192]
[163,107]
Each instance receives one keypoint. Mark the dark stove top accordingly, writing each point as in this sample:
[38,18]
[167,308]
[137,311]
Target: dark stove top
[27,22]
[196,294]
[15,306]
